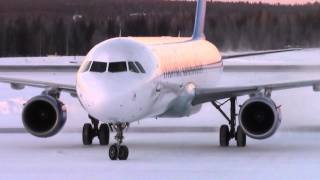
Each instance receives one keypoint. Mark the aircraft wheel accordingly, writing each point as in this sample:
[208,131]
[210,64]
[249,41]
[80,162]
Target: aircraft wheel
[104,134]
[123,153]
[113,152]
[87,134]
[241,137]
[224,136]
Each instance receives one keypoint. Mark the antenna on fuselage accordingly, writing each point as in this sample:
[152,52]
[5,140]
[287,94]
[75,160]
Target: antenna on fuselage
[199,22]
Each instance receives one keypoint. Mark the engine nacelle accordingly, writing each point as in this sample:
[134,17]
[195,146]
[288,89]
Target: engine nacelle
[44,116]
[259,117]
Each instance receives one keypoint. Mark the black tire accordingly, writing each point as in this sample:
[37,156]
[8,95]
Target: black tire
[241,137]
[113,152]
[87,132]
[104,134]
[123,153]
[224,136]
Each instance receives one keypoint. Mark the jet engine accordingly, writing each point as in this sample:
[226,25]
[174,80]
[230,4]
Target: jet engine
[44,116]
[259,117]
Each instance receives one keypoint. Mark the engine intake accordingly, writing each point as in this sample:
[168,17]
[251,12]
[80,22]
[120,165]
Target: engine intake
[44,116]
[259,117]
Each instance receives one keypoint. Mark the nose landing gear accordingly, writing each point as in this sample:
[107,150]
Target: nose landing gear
[118,151]
[92,130]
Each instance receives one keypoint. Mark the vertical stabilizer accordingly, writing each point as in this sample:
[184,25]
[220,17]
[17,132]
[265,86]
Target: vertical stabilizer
[199,23]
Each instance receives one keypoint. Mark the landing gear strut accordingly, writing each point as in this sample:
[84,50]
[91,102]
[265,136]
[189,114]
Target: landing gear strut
[118,151]
[230,132]
[92,130]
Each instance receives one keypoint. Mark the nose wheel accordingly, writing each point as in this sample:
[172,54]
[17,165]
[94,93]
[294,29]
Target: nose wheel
[117,150]
[90,131]
[120,152]
[230,132]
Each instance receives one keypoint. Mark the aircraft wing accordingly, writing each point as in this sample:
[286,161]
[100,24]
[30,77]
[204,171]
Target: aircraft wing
[208,95]
[54,72]
[255,53]
[245,75]
[21,83]
[41,64]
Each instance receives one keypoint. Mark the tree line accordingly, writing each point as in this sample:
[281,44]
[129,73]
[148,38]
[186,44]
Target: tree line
[73,27]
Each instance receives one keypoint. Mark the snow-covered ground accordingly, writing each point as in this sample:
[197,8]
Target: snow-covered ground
[161,156]
[167,153]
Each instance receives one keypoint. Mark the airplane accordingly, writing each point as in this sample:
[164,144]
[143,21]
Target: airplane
[127,79]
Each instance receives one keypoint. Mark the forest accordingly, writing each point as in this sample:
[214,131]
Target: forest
[73,27]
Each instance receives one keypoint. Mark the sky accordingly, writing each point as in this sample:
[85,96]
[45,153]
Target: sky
[277,1]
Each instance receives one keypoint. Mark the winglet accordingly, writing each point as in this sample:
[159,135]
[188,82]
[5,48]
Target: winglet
[199,23]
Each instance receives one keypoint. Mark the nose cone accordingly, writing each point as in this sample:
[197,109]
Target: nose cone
[119,105]
[112,100]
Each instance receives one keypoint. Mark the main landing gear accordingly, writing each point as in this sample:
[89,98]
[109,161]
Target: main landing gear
[92,130]
[118,151]
[230,132]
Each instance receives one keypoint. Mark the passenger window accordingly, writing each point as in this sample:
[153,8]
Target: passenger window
[85,67]
[98,67]
[133,67]
[115,67]
[140,67]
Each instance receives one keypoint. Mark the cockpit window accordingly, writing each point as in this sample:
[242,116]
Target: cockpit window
[140,67]
[98,67]
[132,67]
[115,67]
[85,67]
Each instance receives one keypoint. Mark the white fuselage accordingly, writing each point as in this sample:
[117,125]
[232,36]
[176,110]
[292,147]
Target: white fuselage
[172,68]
